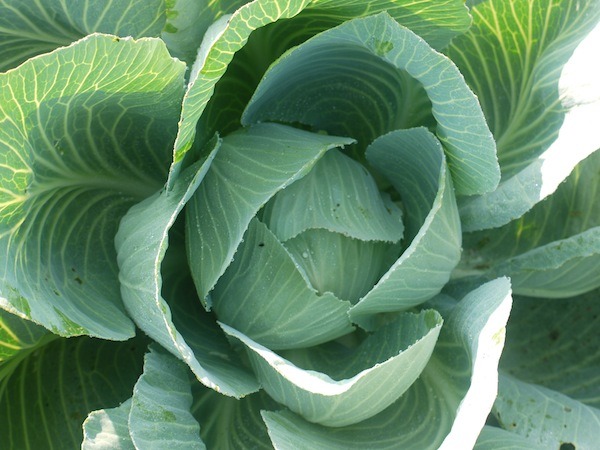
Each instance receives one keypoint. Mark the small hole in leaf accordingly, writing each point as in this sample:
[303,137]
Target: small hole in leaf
[566,446]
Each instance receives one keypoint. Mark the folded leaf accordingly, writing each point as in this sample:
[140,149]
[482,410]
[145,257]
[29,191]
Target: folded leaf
[366,380]
[413,162]
[445,408]
[369,55]
[251,166]
[142,242]
[160,414]
[265,296]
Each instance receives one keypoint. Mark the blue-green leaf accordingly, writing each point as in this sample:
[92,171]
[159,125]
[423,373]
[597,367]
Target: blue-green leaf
[348,388]
[142,242]
[445,408]
[264,295]
[493,438]
[251,166]
[413,162]
[160,414]
[365,60]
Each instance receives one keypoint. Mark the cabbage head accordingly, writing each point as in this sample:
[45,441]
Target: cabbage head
[299,224]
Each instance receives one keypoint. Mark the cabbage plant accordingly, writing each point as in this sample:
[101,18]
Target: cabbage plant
[299,224]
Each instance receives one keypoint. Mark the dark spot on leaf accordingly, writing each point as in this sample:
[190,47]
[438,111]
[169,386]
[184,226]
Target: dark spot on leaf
[78,280]
[566,446]
[554,334]
[567,409]
[56,292]
[116,39]
[261,244]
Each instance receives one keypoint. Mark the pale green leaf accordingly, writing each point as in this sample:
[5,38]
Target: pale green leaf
[264,295]
[332,262]
[221,41]
[30,27]
[89,138]
[493,438]
[445,408]
[363,382]
[142,242]
[107,429]
[533,107]
[160,416]
[46,398]
[546,417]
[251,166]
[365,60]
[413,162]
[556,344]
[338,195]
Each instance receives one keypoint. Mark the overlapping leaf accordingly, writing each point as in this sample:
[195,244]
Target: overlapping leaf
[342,388]
[445,408]
[413,162]
[372,56]
[251,166]
[544,256]
[85,132]
[142,242]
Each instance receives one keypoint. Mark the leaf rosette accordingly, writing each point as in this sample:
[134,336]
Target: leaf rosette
[284,218]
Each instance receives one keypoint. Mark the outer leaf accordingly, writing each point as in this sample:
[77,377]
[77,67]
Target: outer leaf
[492,438]
[225,37]
[29,28]
[556,344]
[81,144]
[18,335]
[437,21]
[413,162]
[251,166]
[141,242]
[524,93]
[546,257]
[386,48]
[107,429]
[560,269]
[365,381]
[160,414]
[264,295]
[445,408]
[546,417]
[232,424]
[49,394]
[188,21]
